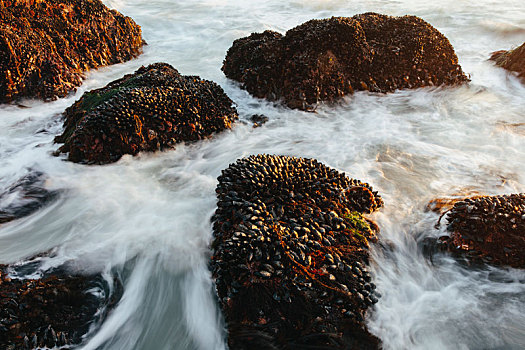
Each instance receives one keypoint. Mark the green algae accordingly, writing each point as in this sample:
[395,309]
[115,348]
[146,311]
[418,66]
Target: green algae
[358,225]
[91,100]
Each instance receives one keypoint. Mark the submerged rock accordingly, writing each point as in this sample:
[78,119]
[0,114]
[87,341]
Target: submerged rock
[25,197]
[489,229]
[513,60]
[151,109]
[290,255]
[321,60]
[45,46]
[258,120]
[56,310]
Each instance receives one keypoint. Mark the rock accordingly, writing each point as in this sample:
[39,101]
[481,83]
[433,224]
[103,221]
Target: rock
[489,229]
[45,46]
[56,310]
[444,204]
[321,60]
[152,109]
[290,281]
[258,120]
[513,60]
[25,197]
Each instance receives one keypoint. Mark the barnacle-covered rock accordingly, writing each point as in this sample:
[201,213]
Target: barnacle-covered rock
[54,311]
[45,46]
[321,60]
[489,229]
[151,109]
[25,196]
[290,255]
[513,60]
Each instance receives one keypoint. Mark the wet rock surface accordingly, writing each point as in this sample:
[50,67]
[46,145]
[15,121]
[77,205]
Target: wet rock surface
[45,46]
[442,205]
[489,229]
[25,197]
[258,120]
[513,60]
[290,255]
[152,109]
[54,311]
[321,60]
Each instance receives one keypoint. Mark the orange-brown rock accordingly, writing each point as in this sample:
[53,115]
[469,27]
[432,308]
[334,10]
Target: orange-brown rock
[489,229]
[45,46]
[321,60]
[513,60]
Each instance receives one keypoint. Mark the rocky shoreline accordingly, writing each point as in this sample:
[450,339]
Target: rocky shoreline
[291,239]
[290,254]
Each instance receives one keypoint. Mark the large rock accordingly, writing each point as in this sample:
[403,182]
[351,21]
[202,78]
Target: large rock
[56,310]
[321,60]
[45,46]
[489,229]
[154,108]
[513,60]
[290,255]
[25,197]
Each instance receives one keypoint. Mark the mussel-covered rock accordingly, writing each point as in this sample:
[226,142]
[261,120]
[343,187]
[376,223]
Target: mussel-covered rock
[56,310]
[513,60]
[151,109]
[489,229]
[321,60]
[45,46]
[25,197]
[290,255]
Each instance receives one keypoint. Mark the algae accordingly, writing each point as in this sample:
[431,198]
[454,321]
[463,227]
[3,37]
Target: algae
[358,225]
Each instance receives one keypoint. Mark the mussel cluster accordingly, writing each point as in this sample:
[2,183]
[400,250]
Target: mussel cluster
[489,229]
[54,311]
[47,45]
[152,109]
[513,60]
[290,254]
[321,60]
